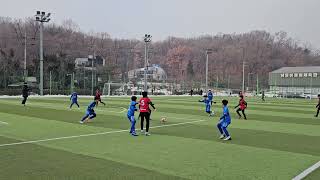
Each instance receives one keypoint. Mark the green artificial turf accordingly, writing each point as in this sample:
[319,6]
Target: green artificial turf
[279,140]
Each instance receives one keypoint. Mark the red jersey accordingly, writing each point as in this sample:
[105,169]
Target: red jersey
[144,104]
[98,94]
[242,104]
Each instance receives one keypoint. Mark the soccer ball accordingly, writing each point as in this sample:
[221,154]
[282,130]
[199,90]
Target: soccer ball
[163,120]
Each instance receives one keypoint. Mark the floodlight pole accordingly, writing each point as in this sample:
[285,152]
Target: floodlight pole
[25,56]
[257,83]
[92,63]
[41,59]
[147,39]
[243,64]
[208,51]
[249,83]
[41,17]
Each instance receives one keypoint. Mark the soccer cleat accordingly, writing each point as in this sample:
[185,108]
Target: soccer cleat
[315,116]
[147,134]
[227,138]
[222,136]
[134,134]
[142,131]
[81,122]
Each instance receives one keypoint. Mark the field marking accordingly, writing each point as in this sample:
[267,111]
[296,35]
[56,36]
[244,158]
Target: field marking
[94,134]
[123,110]
[306,172]
[2,122]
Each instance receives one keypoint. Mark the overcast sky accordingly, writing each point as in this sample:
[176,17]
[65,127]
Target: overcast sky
[182,18]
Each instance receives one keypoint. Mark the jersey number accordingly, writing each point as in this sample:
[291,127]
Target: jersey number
[142,103]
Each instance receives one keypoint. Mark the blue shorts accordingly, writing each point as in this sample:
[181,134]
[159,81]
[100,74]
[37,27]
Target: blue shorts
[224,123]
[208,108]
[90,112]
[131,118]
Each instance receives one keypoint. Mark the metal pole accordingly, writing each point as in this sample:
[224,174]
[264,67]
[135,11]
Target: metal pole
[145,67]
[243,76]
[72,82]
[217,82]
[41,59]
[311,88]
[25,56]
[248,83]
[50,86]
[257,84]
[207,64]
[229,82]
[84,79]
[92,73]
[109,90]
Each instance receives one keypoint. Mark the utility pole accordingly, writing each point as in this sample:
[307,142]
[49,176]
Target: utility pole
[249,83]
[243,64]
[84,79]
[147,39]
[208,51]
[229,82]
[41,17]
[257,84]
[72,82]
[92,65]
[50,86]
[25,56]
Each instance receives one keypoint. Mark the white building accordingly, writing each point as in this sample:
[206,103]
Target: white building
[87,62]
[155,72]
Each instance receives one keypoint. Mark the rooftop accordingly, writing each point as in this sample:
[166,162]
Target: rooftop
[301,69]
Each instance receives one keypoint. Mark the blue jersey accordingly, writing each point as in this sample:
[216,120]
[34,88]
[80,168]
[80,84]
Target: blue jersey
[132,108]
[226,115]
[74,96]
[91,106]
[210,95]
[207,101]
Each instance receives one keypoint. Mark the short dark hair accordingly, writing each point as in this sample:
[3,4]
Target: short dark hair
[318,95]
[205,95]
[133,98]
[144,94]
[225,102]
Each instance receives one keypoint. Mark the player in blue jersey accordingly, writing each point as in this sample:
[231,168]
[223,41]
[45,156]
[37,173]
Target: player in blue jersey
[210,96]
[225,121]
[208,105]
[90,114]
[74,99]
[130,115]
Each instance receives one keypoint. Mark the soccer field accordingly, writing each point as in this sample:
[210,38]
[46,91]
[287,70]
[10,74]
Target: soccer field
[45,140]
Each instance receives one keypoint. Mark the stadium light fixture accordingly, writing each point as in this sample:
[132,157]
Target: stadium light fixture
[41,17]
[147,40]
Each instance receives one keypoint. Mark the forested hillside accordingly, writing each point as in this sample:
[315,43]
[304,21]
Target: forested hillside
[183,59]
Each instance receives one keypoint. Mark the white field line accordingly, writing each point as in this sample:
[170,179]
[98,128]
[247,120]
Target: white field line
[306,172]
[2,122]
[93,134]
[47,105]
[123,110]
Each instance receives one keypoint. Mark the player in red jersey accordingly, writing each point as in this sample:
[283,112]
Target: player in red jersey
[242,106]
[145,111]
[98,97]
[318,106]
